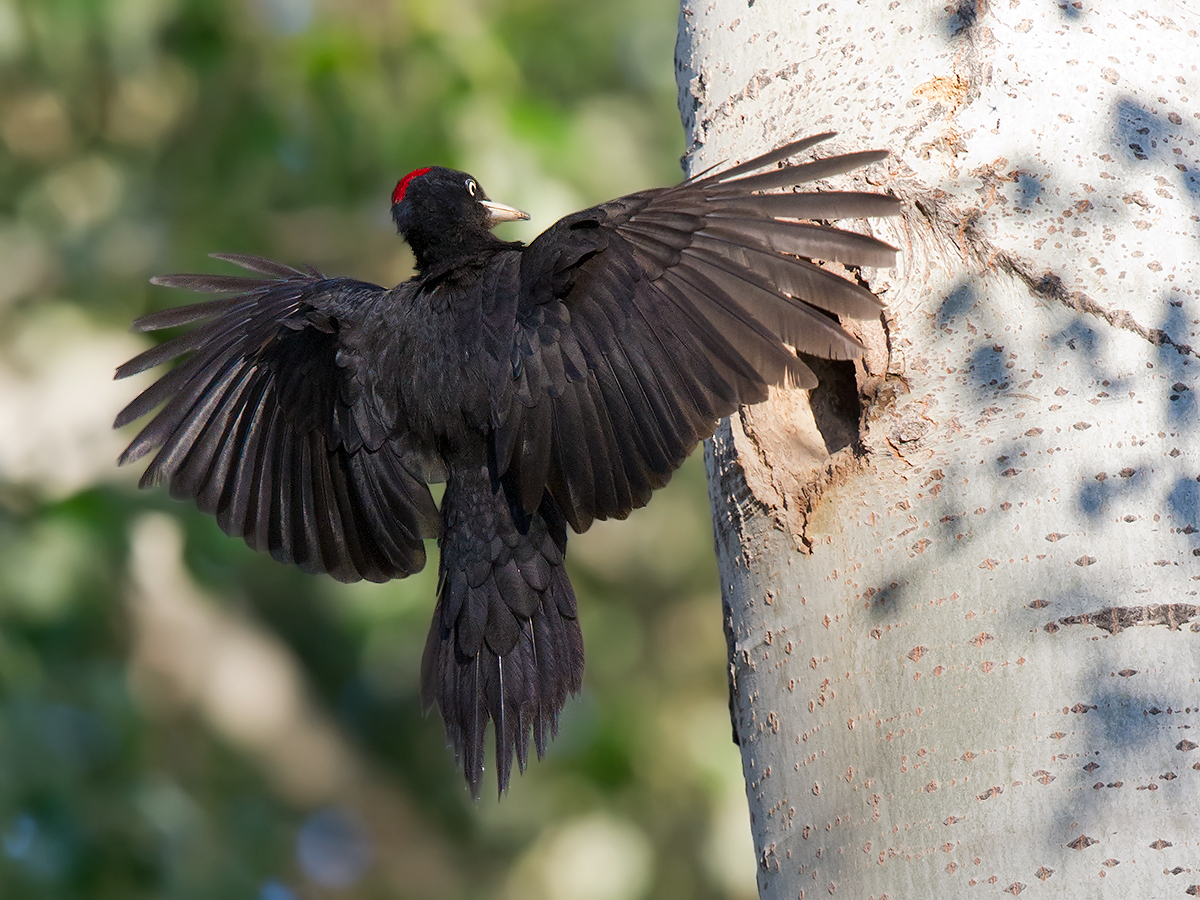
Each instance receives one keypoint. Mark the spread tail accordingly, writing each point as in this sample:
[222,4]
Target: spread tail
[505,643]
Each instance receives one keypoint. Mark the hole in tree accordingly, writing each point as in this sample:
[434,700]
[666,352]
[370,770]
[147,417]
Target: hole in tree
[834,401]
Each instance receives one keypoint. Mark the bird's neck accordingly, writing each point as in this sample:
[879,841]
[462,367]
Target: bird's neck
[450,249]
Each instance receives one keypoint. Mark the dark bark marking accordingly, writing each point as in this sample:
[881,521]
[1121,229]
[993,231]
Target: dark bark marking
[1115,619]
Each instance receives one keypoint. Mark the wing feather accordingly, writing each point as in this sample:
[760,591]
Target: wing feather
[263,424]
[641,322]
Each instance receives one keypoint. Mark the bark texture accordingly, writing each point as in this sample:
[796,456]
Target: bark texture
[963,624]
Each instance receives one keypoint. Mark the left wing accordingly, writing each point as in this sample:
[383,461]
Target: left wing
[272,424]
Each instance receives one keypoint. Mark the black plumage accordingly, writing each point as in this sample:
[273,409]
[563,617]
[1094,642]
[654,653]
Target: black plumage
[549,385]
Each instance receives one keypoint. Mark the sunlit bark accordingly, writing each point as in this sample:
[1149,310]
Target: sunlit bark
[963,646]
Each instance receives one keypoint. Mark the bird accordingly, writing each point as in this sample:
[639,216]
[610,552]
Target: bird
[548,385]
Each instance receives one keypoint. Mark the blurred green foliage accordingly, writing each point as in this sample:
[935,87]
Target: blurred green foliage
[182,718]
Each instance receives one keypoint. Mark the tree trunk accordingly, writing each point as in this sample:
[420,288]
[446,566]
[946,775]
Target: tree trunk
[962,626]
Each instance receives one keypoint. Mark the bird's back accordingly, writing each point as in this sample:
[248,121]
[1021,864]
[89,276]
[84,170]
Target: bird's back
[452,345]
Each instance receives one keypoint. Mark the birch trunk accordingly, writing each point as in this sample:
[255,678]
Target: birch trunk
[962,626]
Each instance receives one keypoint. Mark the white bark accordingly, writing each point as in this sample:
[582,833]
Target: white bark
[964,655]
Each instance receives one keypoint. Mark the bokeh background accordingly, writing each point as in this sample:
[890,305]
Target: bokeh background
[181,718]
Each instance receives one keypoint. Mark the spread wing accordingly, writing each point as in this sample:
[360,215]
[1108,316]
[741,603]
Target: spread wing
[271,424]
[643,321]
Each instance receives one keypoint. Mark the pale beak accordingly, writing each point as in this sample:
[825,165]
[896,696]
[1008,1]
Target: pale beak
[498,212]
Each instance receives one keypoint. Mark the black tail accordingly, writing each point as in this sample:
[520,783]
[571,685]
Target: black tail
[505,644]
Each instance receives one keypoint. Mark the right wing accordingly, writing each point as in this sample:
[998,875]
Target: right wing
[643,321]
[274,424]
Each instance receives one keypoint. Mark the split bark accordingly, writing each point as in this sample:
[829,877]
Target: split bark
[963,625]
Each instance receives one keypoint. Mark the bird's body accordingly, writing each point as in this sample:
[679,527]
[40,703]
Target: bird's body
[548,385]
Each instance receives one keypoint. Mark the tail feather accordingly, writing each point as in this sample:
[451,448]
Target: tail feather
[505,644]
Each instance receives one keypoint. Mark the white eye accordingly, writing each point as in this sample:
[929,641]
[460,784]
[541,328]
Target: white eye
[472,187]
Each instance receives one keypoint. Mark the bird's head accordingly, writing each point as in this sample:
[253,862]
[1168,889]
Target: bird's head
[445,215]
